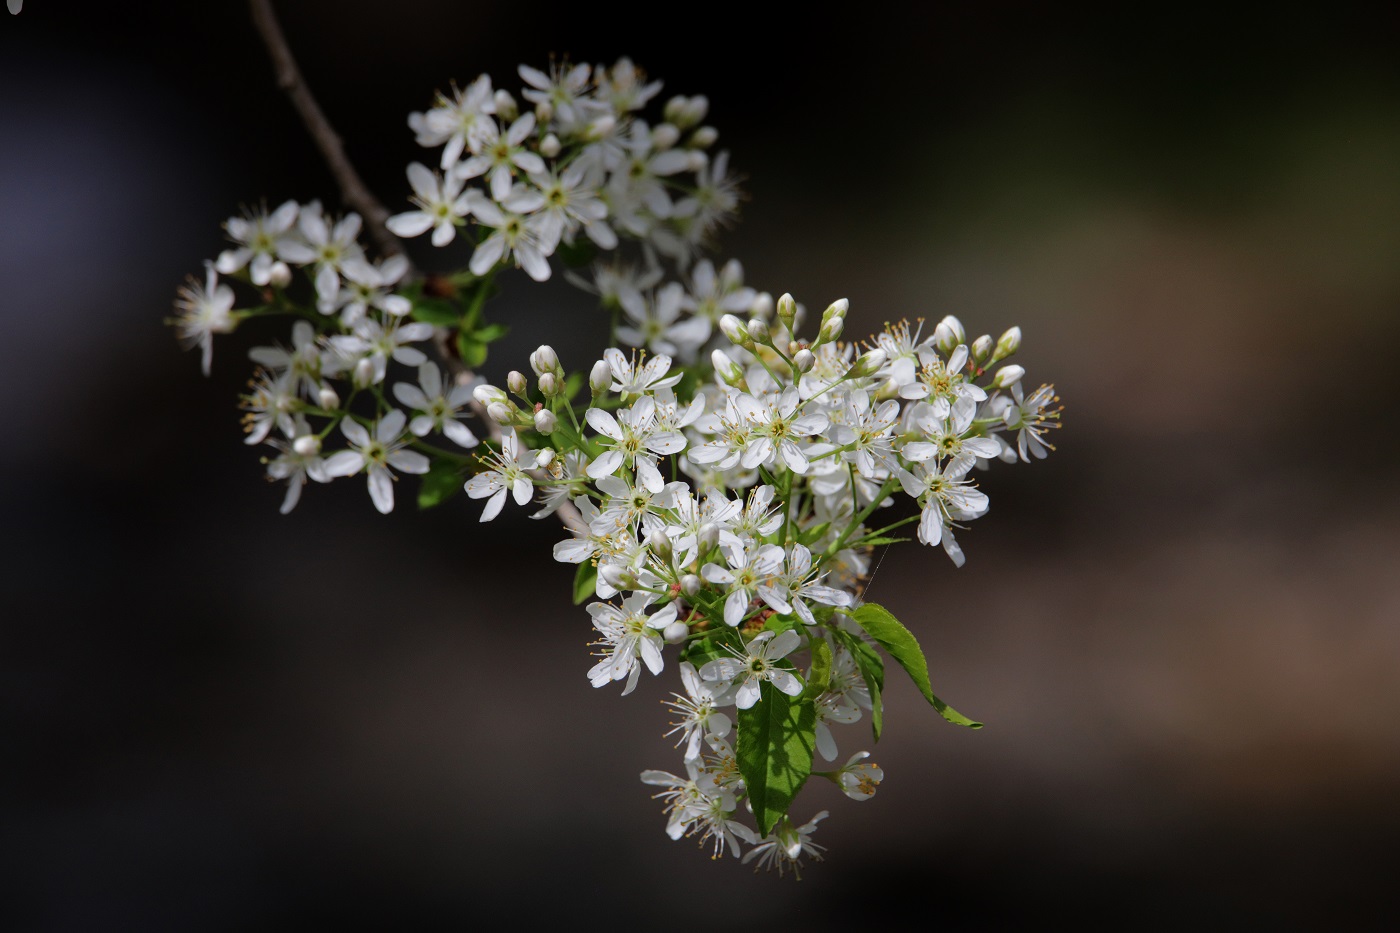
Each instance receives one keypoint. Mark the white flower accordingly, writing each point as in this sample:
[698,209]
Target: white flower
[859,779]
[297,461]
[945,495]
[438,409]
[377,343]
[712,296]
[456,121]
[501,154]
[1030,417]
[752,569]
[375,454]
[679,793]
[949,431]
[657,323]
[749,670]
[514,237]
[631,379]
[564,94]
[698,711]
[937,379]
[509,474]
[301,363]
[714,202]
[259,237]
[801,583]
[776,424]
[625,86]
[867,432]
[785,846]
[627,505]
[271,401]
[356,298]
[571,201]
[333,250]
[202,313]
[629,635]
[631,432]
[442,206]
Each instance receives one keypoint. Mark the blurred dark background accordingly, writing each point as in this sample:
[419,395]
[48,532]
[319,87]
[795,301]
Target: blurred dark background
[1181,629]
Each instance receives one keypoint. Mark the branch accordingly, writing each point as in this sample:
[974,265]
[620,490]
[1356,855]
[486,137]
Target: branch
[359,197]
[289,79]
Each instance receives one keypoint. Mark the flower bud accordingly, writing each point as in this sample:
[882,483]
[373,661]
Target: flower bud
[804,359]
[831,330]
[730,372]
[948,334]
[675,632]
[618,576]
[837,309]
[659,543]
[787,311]
[364,372]
[690,584]
[602,127]
[516,382]
[500,413]
[1008,376]
[1009,343]
[326,397]
[280,275]
[981,349]
[708,537]
[704,137]
[735,330]
[544,457]
[674,111]
[698,161]
[506,107]
[308,445]
[545,421]
[550,146]
[544,360]
[544,112]
[758,331]
[762,306]
[599,378]
[549,385]
[867,364]
[696,109]
[486,393]
[665,136]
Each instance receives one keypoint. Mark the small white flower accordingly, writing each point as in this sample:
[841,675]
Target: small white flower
[629,636]
[513,237]
[758,664]
[751,570]
[441,206]
[259,237]
[298,460]
[456,121]
[202,313]
[785,846]
[437,409]
[698,711]
[333,250]
[375,453]
[631,432]
[378,343]
[1030,417]
[631,379]
[510,474]
[858,779]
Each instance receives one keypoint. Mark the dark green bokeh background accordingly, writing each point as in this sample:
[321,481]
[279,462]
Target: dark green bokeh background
[1182,630]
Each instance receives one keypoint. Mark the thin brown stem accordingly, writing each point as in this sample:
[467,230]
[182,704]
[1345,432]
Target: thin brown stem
[290,80]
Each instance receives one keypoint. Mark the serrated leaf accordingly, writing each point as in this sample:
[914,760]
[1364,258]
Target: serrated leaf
[440,483]
[490,333]
[438,312]
[904,648]
[872,671]
[472,352]
[585,582]
[819,674]
[774,750]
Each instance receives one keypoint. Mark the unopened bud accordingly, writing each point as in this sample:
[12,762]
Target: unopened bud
[804,359]
[867,364]
[837,309]
[948,334]
[787,311]
[516,382]
[308,445]
[698,161]
[280,275]
[674,111]
[543,458]
[506,107]
[758,331]
[545,421]
[659,543]
[1008,376]
[327,398]
[696,109]
[602,127]
[544,360]
[981,349]
[762,306]
[599,378]
[690,584]
[500,413]
[550,146]
[727,370]
[665,136]
[549,385]
[708,537]
[735,330]
[544,112]
[1009,343]
[704,137]
[675,632]
[831,330]
[618,576]
[486,393]
[364,373]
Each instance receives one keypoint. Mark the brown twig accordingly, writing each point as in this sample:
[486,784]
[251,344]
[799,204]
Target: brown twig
[359,197]
[289,79]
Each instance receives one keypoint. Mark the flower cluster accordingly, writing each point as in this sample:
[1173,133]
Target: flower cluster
[728,514]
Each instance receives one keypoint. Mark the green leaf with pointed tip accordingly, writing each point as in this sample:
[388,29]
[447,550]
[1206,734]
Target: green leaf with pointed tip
[490,333]
[812,535]
[819,674]
[904,648]
[872,669]
[440,483]
[774,749]
[585,582]
[472,351]
[438,312]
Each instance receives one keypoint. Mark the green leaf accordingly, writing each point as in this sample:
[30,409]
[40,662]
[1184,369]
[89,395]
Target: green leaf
[872,669]
[876,542]
[440,483]
[774,749]
[438,312]
[812,535]
[472,351]
[572,384]
[585,582]
[490,333]
[819,675]
[904,648]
